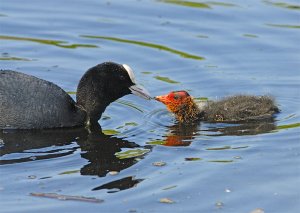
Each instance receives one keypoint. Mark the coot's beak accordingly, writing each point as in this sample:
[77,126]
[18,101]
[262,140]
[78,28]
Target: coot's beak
[162,98]
[140,91]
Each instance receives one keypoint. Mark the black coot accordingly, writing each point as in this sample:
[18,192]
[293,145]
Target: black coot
[27,102]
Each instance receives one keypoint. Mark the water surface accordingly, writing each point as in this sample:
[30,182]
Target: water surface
[212,49]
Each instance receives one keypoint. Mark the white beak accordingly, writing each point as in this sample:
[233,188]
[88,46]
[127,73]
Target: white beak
[140,91]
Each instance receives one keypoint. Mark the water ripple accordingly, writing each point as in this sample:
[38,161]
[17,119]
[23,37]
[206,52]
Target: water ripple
[159,118]
[283,5]
[129,104]
[62,44]
[284,26]
[201,5]
[147,44]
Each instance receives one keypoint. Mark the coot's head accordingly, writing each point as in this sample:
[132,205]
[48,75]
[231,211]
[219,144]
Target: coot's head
[105,83]
[175,100]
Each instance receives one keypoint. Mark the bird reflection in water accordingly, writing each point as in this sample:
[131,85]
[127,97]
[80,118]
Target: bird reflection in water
[99,149]
[183,134]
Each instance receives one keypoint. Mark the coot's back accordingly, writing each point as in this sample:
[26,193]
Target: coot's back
[27,102]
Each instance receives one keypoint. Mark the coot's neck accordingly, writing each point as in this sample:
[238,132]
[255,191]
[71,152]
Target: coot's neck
[93,107]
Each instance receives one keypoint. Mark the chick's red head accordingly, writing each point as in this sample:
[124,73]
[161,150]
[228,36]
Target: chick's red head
[174,100]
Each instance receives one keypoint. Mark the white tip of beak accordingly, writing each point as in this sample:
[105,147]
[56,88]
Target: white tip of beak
[140,91]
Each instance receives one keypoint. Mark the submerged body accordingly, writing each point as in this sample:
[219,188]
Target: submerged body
[239,108]
[27,102]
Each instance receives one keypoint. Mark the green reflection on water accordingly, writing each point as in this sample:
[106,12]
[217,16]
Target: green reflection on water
[226,147]
[240,147]
[219,148]
[192,159]
[203,5]
[220,4]
[187,3]
[110,132]
[131,124]
[69,172]
[131,153]
[169,187]
[166,79]
[157,142]
[127,124]
[284,5]
[202,36]
[57,43]
[289,126]
[147,73]
[221,161]
[147,44]
[284,26]
[250,35]
[13,59]
[71,92]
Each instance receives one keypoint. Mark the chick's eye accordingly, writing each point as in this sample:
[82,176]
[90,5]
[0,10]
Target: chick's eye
[176,97]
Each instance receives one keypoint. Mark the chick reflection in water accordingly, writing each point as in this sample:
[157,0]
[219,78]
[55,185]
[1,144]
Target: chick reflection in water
[183,134]
[180,135]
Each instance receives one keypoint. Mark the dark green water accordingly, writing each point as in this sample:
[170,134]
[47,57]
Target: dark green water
[212,49]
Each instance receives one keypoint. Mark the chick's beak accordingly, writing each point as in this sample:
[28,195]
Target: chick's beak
[140,91]
[162,98]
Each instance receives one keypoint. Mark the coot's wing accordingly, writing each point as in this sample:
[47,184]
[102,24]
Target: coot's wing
[27,102]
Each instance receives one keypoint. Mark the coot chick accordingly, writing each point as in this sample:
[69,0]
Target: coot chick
[239,108]
[27,102]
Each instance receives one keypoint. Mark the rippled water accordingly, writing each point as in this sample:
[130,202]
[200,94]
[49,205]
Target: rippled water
[209,48]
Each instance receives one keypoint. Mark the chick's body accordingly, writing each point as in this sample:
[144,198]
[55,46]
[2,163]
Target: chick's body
[236,108]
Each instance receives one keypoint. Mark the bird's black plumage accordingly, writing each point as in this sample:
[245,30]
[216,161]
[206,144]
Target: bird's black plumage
[27,102]
[101,85]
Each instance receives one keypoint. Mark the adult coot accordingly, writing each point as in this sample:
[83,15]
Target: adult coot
[239,108]
[27,102]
